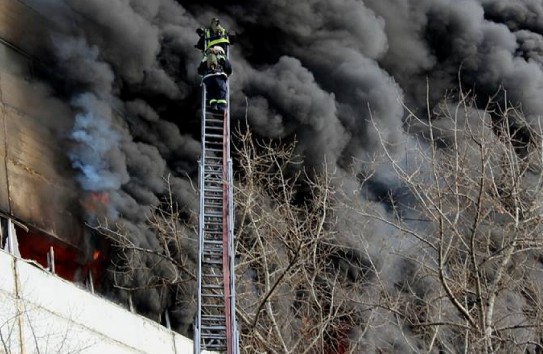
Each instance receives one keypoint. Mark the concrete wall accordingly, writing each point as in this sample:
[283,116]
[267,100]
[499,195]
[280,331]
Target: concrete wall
[35,172]
[40,312]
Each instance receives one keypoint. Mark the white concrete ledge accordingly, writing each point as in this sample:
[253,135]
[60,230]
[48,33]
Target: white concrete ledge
[42,312]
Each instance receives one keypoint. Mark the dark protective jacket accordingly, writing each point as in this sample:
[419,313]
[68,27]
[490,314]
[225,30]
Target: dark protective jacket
[209,39]
[215,79]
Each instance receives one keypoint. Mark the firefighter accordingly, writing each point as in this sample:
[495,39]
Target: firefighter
[215,69]
[214,35]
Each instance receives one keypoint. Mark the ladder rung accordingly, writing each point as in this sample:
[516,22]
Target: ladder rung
[213,128]
[213,180]
[210,261]
[215,255]
[217,192]
[215,237]
[212,122]
[213,335]
[216,268]
[221,296]
[212,205]
[213,328]
[213,232]
[213,149]
[214,341]
[219,344]
[216,276]
[210,334]
[213,276]
[213,242]
[217,261]
[213,183]
[213,250]
[216,319]
[216,346]
[213,114]
[219,286]
[212,306]
[209,211]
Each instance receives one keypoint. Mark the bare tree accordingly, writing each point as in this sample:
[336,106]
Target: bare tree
[464,268]
[290,297]
[472,212]
[160,270]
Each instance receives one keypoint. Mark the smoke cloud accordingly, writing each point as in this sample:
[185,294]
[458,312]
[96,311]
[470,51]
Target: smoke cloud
[326,73]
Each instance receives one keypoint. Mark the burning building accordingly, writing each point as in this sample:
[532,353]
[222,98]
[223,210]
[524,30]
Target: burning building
[38,189]
[42,212]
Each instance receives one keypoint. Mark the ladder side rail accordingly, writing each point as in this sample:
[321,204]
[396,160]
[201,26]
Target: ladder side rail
[201,165]
[231,250]
[233,334]
[232,256]
[226,261]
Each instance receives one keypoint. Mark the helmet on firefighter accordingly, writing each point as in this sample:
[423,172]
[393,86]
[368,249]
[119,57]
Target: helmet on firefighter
[218,50]
[215,23]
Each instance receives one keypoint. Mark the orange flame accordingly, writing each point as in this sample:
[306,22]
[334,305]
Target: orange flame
[95,255]
[95,202]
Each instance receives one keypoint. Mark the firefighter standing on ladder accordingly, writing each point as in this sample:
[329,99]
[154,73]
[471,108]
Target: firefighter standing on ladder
[215,69]
[215,66]
[214,35]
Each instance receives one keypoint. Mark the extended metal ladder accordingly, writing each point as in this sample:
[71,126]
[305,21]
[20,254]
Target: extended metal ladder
[215,327]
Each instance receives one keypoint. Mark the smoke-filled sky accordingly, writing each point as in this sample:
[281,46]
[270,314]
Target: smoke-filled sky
[314,70]
[317,70]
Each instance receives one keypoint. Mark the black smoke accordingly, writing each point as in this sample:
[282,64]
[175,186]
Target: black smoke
[324,72]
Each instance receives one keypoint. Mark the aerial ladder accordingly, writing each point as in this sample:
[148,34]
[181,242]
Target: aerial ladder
[215,327]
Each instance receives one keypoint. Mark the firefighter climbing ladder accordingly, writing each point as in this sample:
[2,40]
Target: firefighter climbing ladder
[215,327]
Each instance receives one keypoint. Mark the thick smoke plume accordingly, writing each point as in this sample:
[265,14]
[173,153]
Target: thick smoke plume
[324,72]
